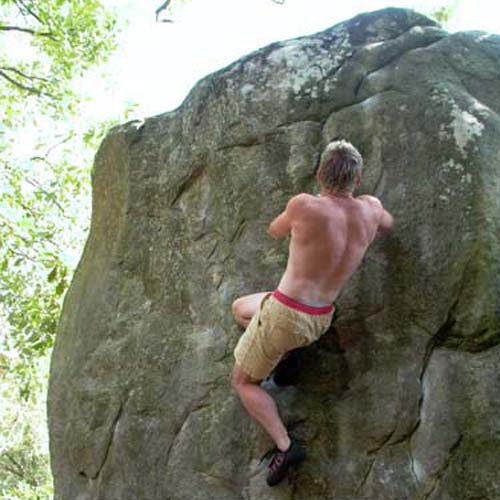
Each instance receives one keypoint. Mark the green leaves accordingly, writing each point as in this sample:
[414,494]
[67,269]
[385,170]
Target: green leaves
[45,159]
[445,13]
[62,39]
[24,467]
[52,275]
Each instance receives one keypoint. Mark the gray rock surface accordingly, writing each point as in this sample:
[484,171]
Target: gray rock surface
[401,399]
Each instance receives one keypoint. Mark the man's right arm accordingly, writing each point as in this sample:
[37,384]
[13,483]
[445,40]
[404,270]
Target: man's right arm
[282,225]
[385,219]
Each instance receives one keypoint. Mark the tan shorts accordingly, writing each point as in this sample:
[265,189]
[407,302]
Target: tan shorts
[275,329]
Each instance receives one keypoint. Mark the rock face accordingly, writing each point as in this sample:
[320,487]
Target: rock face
[401,399]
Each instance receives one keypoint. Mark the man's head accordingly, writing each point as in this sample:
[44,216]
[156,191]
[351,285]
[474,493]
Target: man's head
[340,167]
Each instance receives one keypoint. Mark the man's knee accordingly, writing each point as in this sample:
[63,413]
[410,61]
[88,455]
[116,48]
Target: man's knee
[237,309]
[236,378]
[235,384]
[239,378]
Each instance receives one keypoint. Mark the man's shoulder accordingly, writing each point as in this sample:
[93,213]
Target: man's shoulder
[372,202]
[368,198]
[303,197]
[383,217]
[300,201]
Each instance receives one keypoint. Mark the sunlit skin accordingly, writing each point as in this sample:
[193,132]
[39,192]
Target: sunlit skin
[330,234]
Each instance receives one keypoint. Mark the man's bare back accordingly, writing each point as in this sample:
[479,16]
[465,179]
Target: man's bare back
[330,234]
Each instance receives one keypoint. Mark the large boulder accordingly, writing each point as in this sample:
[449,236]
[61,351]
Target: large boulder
[401,399]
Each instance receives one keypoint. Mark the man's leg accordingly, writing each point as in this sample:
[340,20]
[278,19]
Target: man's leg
[245,307]
[260,406]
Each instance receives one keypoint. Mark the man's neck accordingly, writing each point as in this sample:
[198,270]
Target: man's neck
[336,194]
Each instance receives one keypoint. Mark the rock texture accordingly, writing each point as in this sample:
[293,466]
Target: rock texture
[401,400]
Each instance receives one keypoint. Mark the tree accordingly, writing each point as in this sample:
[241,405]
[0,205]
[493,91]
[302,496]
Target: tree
[64,38]
[445,13]
[45,46]
[54,41]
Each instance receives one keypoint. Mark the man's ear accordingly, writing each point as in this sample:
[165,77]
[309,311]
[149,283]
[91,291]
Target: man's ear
[357,180]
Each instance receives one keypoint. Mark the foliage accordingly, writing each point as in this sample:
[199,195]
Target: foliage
[45,158]
[62,39]
[55,41]
[43,222]
[24,465]
[44,213]
[444,14]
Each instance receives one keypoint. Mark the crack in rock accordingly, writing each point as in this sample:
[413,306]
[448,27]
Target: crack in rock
[384,441]
[199,405]
[186,183]
[238,232]
[412,464]
[109,444]
[365,477]
[439,474]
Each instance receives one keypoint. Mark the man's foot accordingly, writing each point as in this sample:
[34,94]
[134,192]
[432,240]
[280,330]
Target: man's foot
[282,460]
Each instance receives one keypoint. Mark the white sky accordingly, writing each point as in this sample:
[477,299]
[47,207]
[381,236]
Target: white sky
[158,63]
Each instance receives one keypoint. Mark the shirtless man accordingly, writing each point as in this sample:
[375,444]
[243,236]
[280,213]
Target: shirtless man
[330,234]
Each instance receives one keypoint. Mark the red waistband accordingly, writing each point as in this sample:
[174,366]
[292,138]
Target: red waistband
[287,301]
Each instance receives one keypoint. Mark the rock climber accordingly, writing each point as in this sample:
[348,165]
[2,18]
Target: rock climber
[330,234]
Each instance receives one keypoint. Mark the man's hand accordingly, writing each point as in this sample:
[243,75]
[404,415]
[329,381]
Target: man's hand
[282,225]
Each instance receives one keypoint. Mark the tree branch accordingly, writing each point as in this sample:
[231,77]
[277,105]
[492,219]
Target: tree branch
[24,75]
[8,224]
[22,254]
[20,472]
[161,8]
[14,472]
[21,5]
[54,146]
[20,469]
[27,88]
[47,34]
[37,185]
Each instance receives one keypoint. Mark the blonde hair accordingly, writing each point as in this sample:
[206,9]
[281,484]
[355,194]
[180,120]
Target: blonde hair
[340,164]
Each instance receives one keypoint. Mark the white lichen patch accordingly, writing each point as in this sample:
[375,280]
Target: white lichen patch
[481,108]
[485,36]
[373,45]
[300,64]
[442,133]
[451,165]
[466,179]
[465,127]
[246,89]
[289,55]
[419,470]
[459,174]
[440,95]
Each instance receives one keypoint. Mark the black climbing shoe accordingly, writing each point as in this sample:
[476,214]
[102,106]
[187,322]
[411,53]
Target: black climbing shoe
[282,460]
